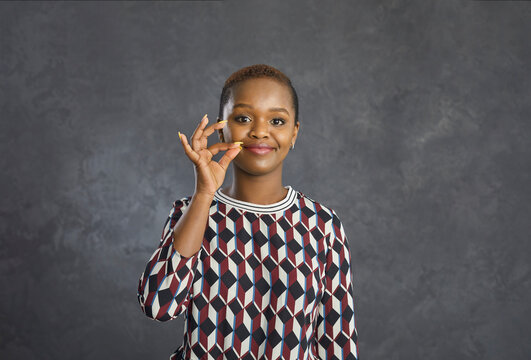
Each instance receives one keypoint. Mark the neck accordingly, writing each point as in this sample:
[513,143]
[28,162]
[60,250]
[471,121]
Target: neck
[265,189]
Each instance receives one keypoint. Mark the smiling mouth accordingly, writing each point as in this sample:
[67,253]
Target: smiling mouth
[259,150]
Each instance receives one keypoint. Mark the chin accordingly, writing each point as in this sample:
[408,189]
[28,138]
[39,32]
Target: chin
[256,170]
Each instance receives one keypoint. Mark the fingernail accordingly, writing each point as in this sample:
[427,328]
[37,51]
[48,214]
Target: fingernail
[180,136]
[238,142]
[223,121]
[204,117]
[241,148]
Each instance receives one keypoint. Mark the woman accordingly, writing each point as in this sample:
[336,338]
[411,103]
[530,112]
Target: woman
[260,270]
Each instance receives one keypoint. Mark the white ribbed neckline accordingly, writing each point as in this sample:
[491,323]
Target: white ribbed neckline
[281,205]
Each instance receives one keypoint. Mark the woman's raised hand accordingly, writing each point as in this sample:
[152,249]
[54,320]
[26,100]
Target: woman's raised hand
[209,175]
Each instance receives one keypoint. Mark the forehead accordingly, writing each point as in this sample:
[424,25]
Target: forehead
[263,91]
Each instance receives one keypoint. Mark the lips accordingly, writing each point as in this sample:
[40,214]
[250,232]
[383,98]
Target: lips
[259,149]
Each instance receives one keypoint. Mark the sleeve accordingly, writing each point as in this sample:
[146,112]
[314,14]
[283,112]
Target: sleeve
[336,334]
[165,285]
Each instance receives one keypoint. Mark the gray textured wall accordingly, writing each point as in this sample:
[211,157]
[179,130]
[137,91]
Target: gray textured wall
[415,128]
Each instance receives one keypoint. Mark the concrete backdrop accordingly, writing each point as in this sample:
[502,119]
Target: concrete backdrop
[415,128]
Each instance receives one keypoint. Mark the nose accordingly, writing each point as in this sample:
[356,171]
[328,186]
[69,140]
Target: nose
[259,129]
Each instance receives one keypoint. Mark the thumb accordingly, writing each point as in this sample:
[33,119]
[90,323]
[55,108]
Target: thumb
[228,157]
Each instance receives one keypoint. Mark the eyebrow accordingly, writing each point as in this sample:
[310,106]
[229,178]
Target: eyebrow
[270,109]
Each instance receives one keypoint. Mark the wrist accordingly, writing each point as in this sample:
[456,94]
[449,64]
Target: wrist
[203,197]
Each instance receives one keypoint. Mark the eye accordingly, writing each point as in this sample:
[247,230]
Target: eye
[241,118]
[278,121]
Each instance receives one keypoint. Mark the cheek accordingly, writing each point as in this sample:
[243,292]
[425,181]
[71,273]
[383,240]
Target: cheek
[285,139]
[236,133]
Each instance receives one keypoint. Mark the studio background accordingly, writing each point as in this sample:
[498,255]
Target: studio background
[415,128]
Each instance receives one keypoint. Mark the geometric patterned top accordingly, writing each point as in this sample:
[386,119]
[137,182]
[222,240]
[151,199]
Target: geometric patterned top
[270,281]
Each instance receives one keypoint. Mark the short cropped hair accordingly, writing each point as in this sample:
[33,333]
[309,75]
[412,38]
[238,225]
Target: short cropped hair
[253,72]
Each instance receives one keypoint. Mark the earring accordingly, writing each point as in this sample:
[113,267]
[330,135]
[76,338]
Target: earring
[292,146]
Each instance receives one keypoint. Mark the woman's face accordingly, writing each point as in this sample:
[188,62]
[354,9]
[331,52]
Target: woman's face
[261,115]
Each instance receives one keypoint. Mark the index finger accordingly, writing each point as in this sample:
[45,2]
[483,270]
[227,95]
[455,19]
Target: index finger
[215,126]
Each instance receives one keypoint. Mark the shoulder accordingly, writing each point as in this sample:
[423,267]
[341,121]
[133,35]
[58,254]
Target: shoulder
[181,204]
[184,201]
[325,213]
[327,221]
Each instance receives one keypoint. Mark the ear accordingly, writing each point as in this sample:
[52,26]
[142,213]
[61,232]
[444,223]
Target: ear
[295,132]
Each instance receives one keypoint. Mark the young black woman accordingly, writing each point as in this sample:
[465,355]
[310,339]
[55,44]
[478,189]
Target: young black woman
[260,270]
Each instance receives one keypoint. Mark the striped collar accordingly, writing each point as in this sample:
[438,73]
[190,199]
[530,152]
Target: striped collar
[281,205]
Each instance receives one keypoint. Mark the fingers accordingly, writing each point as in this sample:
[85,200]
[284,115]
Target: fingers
[198,133]
[216,126]
[229,156]
[198,142]
[188,149]
[216,148]
[202,132]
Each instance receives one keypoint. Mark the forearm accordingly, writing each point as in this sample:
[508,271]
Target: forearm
[189,231]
